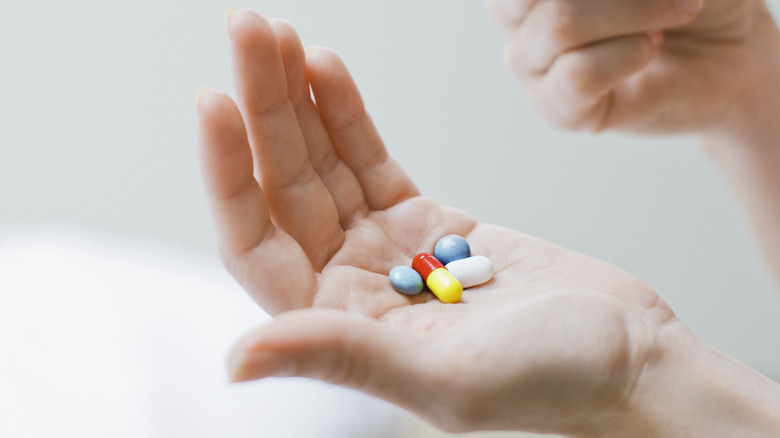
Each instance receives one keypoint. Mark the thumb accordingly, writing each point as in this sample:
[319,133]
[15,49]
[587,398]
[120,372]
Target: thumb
[340,348]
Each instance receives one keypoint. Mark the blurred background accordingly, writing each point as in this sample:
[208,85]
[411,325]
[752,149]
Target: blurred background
[100,195]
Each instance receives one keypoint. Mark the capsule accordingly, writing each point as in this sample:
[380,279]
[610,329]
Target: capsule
[437,278]
[471,271]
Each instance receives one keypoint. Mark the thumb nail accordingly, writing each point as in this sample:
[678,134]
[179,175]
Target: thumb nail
[243,367]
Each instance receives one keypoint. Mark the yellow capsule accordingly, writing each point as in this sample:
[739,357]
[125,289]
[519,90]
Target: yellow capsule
[444,286]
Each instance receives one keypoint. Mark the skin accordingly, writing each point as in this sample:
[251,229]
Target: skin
[650,66]
[311,214]
[646,66]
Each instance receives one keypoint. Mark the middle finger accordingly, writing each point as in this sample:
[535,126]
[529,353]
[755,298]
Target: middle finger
[342,184]
[298,201]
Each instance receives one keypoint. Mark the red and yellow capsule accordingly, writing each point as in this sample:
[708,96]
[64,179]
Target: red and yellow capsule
[437,278]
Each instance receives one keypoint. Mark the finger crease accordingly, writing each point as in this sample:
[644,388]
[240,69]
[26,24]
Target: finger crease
[259,111]
[302,177]
[374,160]
[351,121]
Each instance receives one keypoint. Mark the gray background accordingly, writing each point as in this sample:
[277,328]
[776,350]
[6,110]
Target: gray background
[97,130]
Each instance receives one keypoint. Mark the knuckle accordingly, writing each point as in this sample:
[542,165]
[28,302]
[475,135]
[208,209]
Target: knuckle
[562,21]
[510,12]
[581,77]
[561,115]
[516,62]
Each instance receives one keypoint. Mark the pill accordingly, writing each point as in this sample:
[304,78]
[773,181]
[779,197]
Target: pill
[450,248]
[437,278]
[406,280]
[471,271]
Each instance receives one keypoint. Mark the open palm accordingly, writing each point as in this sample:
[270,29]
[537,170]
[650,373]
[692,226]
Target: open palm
[311,214]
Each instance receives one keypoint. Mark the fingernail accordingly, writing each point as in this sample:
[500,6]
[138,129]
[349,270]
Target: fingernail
[202,91]
[689,6]
[229,13]
[311,49]
[253,366]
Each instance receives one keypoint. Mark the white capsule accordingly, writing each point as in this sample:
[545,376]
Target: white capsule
[471,271]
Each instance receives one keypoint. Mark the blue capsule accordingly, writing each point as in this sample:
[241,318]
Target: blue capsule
[450,248]
[406,280]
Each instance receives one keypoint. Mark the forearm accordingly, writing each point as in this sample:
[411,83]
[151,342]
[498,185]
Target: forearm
[745,144]
[691,389]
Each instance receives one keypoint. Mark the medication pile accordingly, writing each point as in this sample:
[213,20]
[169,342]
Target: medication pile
[446,272]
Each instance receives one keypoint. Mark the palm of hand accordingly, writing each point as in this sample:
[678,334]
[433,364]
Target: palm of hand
[333,213]
[553,331]
[547,311]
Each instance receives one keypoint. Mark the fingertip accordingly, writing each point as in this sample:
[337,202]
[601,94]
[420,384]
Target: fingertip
[285,32]
[246,26]
[327,71]
[223,147]
[202,91]
[246,365]
[228,15]
[204,97]
[208,98]
[258,355]
[282,25]
[320,56]
[214,104]
[236,366]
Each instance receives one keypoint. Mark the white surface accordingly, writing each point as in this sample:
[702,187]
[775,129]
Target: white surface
[103,336]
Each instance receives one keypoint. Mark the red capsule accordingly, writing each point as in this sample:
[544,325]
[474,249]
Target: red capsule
[438,278]
[426,263]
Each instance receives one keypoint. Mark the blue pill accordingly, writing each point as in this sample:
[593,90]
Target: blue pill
[450,248]
[406,280]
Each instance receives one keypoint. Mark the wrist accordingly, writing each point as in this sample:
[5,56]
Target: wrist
[691,389]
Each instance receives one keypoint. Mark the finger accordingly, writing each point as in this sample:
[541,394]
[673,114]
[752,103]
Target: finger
[657,101]
[552,27]
[248,240]
[338,178]
[237,202]
[577,90]
[509,13]
[299,202]
[344,349]
[354,136]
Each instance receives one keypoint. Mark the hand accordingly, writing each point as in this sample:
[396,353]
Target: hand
[653,66]
[311,214]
